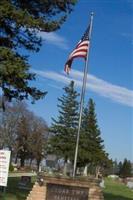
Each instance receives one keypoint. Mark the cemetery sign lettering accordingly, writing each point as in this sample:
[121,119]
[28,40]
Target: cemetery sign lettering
[64,192]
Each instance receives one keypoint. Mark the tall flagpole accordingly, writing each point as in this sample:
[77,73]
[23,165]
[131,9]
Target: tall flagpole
[82,98]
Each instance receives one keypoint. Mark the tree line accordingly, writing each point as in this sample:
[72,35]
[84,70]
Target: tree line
[23,133]
[123,168]
[29,137]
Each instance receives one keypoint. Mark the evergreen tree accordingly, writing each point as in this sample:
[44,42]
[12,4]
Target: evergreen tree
[64,128]
[20,24]
[91,148]
[119,167]
[115,167]
[126,169]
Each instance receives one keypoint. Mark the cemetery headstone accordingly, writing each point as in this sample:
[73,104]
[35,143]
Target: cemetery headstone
[24,182]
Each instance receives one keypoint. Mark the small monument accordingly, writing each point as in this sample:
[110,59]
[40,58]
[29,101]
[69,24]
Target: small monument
[24,182]
[59,188]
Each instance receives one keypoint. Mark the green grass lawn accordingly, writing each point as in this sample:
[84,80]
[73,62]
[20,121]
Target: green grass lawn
[13,192]
[116,191]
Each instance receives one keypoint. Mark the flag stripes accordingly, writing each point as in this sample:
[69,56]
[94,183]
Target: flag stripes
[81,50]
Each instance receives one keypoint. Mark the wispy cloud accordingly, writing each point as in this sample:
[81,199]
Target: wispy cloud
[103,88]
[54,39]
[55,86]
[128,36]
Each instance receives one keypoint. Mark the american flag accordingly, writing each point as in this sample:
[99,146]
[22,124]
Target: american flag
[80,50]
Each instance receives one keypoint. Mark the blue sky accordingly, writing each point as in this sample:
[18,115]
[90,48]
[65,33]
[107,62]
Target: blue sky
[109,82]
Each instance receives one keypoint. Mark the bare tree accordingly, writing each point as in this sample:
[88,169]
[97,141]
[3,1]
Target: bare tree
[8,124]
[23,133]
[38,139]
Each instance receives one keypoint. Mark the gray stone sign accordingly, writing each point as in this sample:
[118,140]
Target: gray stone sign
[61,188]
[63,192]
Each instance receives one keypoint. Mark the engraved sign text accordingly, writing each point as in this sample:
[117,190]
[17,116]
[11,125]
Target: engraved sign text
[63,192]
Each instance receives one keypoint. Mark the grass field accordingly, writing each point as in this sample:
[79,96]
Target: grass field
[13,192]
[116,191]
[112,191]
